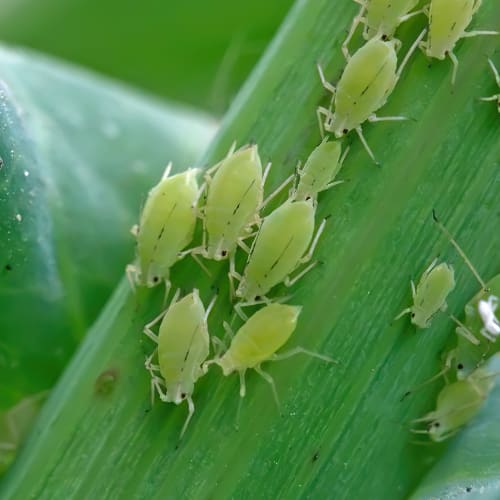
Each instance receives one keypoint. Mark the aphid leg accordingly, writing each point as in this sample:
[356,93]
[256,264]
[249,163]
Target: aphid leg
[219,348]
[428,271]
[464,331]
[487,335]
[210,306]
[301,350]
[310,252]
[190,403]
[270,381]
[266,173]
[405,18]
[288,282]
[147,329]
[460,251]
[326,84]
[320,113]
[167,170]
[131,272]
[412,49]
[495,71]
[238,308]
[277,191]
[470,34]
[354,26]
[454,61]
[233,274]
[241,242]
[359,131]
[243,389]
[491,98]
[199,262]
[402,313]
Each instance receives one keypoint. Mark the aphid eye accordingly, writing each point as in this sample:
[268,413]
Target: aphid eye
[257,297]
[436,424]
[345,131]
[460,366]
[155,279]
[183,395]
[412,315]
[384,38]
[224,253]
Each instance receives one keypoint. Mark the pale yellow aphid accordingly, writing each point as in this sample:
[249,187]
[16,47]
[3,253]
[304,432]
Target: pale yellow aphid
[233,202]
[495,97]
[166,227]
[182,347]
[365,85]
[459,402]
[319,172]
[284,242]
[258,340]
[380,18]
[448,20]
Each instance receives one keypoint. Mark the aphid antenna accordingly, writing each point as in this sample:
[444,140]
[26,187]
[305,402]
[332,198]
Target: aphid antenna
[459,250]
[190,403]
[131,272]
[359,131]
[211,305]
[198,261]
[166,172]
[301,350]
[277,191]
[267,169]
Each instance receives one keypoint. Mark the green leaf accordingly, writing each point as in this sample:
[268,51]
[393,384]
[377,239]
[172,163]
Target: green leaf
[344,430]
[198,52]
[78,155]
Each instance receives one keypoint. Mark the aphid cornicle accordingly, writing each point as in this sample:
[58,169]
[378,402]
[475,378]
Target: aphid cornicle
[365,85]
[495,97]
[258,340]
[319,171]
[380,18]
[448,20]
[429,296]
[459,402]
[282,244]
[182,347]
[166,227]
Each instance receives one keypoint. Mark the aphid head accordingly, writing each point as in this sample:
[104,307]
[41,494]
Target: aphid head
[419,317]
[437,430]
[179,391]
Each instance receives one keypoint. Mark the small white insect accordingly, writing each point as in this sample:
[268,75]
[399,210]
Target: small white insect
[319,172]
[448,20]
[166,227]
[380,18]
[258,340]
[182,347]
[486,309]
[365,85]
[495,97]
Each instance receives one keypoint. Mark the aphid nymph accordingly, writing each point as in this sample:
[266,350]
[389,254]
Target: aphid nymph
[448,20]
[365,85]
[258,340]
[430,294]
[166,227]
[182,347]
[281,246]
[319,172]
[380,18]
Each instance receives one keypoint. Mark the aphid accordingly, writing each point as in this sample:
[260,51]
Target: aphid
[380,18]
[166,227]
[367,81]
[282,244]
[495,97]
[182,346]
[429,296]
[459,402]
[258,340]
[319,171]
[448,20]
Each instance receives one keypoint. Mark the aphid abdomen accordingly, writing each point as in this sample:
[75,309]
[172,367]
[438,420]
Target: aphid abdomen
[167,224]
[283,239]
[448,19]
[368,79]
[183,342]
[234,197]
[320,169]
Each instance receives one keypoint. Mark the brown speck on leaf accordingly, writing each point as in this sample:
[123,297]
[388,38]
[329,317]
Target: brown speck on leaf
[105,382]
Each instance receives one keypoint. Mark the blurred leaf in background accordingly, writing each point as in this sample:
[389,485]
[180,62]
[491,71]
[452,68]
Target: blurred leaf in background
[197,52]
[78,156]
